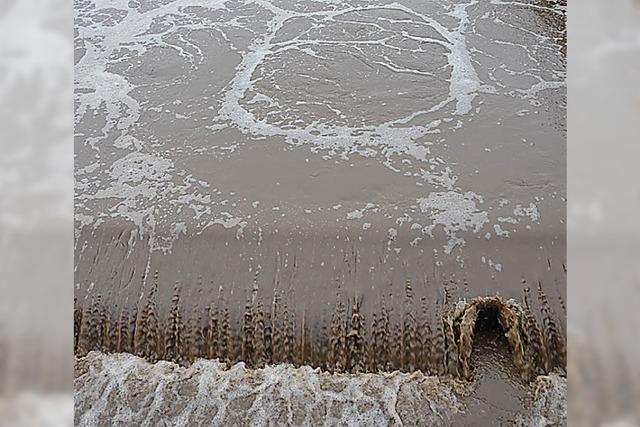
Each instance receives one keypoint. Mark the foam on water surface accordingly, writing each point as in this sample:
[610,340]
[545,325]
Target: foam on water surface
[282,53]
[303,156]
[124,389]
[455,212]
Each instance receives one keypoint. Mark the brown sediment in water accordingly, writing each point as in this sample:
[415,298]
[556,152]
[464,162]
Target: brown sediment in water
[436,342]
[240,207]
[533,353]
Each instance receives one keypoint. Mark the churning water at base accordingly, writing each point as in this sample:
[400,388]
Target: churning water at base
[122,389]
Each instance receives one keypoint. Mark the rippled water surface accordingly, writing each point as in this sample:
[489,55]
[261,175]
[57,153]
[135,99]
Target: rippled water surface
[308,151]
[416,140]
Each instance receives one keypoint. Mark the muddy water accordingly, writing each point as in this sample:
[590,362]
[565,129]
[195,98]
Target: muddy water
[124,390]
[317,151]
[497,398]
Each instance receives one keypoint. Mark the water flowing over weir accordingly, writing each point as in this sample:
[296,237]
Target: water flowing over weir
[327,189]
[437,342]
[274,381]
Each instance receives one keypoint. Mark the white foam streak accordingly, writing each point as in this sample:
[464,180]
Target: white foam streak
[389,138]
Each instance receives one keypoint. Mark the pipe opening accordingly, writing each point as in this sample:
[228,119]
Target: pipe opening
[491,349]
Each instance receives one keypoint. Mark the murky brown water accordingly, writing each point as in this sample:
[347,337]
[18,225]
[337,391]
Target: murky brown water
[122,389]
[320,151]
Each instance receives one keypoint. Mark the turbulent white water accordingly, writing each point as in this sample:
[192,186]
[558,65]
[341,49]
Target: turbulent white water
[122,389]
